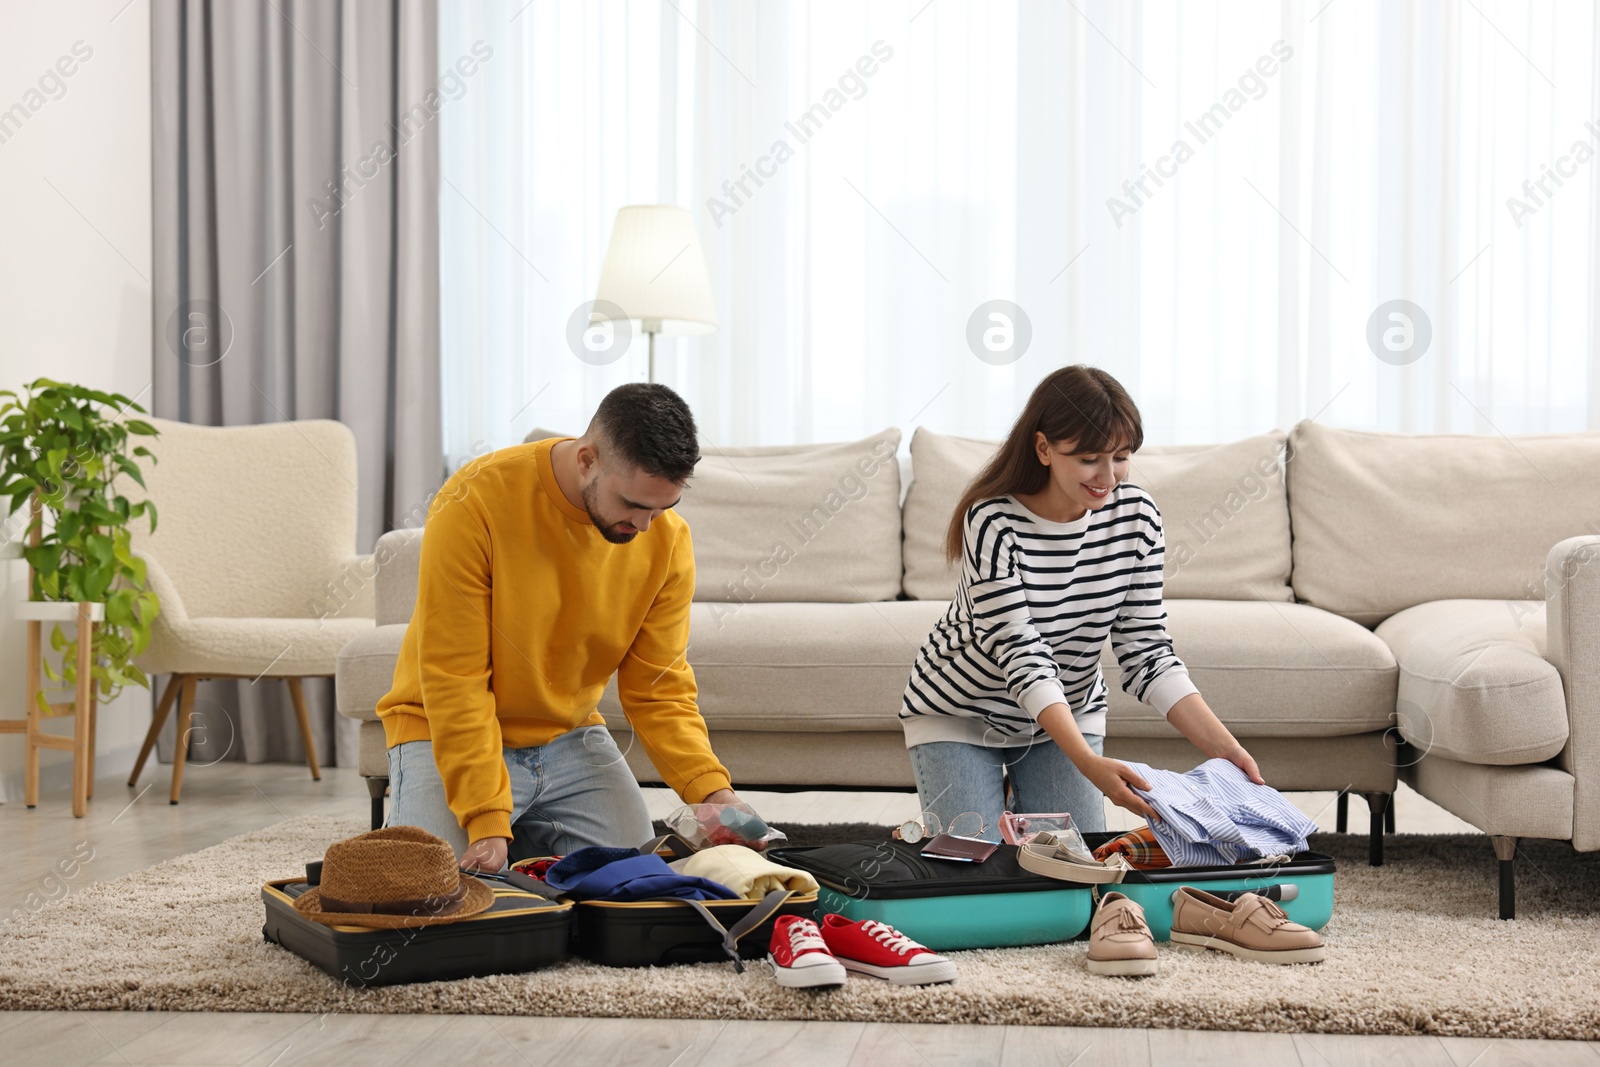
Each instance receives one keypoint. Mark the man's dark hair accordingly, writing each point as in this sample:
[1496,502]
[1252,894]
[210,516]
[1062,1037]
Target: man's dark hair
[649,427]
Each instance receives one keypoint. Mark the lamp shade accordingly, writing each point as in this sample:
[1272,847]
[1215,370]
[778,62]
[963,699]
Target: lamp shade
[655,273]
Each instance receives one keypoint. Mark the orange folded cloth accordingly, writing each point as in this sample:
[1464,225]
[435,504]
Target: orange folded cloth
[1139,847]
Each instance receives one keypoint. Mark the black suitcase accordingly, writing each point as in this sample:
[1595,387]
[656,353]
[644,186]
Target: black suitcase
[521,931]
[656,933]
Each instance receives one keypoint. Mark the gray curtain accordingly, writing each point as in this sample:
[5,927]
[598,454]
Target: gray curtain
[296,177]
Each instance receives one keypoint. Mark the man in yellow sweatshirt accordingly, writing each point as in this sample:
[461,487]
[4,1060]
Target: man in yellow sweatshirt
[546,568]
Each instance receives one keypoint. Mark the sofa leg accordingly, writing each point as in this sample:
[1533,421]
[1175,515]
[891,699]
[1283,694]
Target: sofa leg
[1377,804]
[1505,850]
[1388,817]
[1342,813]
[376,788]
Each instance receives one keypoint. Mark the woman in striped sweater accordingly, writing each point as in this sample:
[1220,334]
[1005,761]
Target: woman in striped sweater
[1058,552]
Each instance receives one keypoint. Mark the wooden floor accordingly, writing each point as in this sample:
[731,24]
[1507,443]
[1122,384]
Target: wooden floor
[131,829]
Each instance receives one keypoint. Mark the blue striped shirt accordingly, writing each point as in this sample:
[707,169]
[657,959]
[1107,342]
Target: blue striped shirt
[1215,816]
[1033,607]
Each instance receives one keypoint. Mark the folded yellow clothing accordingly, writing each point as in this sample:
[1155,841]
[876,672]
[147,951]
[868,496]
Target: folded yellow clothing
[745,871]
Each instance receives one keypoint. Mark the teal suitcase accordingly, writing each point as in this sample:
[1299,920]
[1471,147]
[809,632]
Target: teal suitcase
[945,905]
[1302,887]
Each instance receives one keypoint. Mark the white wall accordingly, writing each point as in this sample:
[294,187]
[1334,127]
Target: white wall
[74,267]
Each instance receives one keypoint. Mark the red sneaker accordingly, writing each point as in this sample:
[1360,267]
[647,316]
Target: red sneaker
[871,947]
[799,957]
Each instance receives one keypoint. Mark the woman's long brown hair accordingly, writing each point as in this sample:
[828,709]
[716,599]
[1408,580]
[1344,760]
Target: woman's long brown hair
[1077,405]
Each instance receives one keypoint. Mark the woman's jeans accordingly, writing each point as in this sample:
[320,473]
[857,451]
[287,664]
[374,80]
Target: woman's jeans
[954,777]
[575,791]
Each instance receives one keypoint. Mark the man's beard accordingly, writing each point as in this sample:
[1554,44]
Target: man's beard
[590,492]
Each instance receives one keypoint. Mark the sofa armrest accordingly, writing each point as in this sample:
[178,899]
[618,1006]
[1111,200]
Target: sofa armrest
[398,555]
[1572,614]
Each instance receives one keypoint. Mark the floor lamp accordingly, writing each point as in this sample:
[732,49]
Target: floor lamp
[655,275]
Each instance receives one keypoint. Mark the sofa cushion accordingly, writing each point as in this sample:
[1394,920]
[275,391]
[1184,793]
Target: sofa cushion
[941,467]
[796,523]
[793,522]
[1386,521]
[812,668]
[1474,683]
[1268,670]
[1223,510]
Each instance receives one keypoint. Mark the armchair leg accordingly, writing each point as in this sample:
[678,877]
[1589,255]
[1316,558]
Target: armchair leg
[1505,850]
[157,721]
[180,753]
[1388,817]
[376,788]
[1341,816]
[305,727]
[1377,804]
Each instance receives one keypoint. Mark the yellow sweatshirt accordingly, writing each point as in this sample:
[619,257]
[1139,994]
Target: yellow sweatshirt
[523,614]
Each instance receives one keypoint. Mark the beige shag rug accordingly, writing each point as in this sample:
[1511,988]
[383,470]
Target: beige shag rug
[1413,948]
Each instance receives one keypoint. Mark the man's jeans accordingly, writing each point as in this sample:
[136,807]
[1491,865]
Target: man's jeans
[954,778]
[575,791]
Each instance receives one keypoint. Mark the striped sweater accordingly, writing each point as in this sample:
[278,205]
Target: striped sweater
[1033,607]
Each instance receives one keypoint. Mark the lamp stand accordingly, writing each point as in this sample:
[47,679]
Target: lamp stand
[651,328]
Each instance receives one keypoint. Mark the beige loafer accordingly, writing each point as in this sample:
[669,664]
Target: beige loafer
[1252,928]
[1120,941]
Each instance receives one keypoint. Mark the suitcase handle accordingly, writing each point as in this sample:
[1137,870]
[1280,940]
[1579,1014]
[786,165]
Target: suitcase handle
[513,877]
[678,848]
[764,909]
[1279,891]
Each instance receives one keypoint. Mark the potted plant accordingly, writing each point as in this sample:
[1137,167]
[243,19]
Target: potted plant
[63,446]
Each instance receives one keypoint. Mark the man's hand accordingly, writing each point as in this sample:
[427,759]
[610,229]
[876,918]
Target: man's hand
[722,796]
[1113,778]
[485,854]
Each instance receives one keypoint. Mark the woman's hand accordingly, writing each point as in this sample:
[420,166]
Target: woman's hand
[1196,721]
[1115,779]
[1243,760]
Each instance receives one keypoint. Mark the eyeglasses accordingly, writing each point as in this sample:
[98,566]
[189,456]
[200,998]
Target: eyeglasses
[927,825]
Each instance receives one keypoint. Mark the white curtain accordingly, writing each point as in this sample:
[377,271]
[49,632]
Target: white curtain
[1210,200]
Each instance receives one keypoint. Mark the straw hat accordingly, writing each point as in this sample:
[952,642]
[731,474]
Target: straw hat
[399,876]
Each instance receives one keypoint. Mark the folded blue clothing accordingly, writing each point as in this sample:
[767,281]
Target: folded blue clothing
[598,873]
[1216,816]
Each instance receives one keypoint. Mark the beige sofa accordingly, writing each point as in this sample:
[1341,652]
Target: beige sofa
[818,578]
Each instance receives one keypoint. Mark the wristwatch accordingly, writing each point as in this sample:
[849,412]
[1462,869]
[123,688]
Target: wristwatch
[912,830]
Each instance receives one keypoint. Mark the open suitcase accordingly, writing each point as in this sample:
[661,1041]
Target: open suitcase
[943,904]
[521,931]
[997,903]
[656,933]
